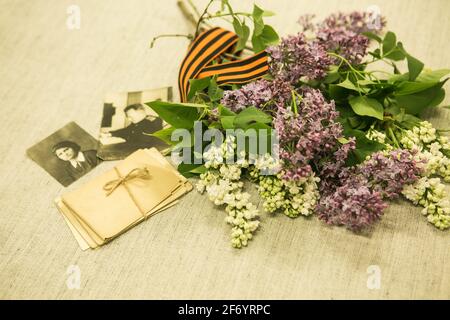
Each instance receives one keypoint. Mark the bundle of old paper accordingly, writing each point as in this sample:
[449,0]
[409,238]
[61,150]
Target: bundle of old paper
[138,187]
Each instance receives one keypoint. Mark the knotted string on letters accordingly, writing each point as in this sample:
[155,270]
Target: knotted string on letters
[136,173]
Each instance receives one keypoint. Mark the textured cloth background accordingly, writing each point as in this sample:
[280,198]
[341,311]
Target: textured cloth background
[50,75]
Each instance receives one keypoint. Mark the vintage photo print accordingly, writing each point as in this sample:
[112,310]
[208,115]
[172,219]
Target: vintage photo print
[127,123]
[67,155]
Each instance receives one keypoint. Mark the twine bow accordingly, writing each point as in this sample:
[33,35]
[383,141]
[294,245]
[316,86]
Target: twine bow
[136,173]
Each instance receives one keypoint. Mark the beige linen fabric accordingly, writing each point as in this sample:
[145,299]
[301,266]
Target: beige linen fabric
[50,75]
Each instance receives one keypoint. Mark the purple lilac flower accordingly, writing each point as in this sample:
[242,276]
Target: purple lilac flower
[295,57]
[307,135]
[353,204]
[336,165]
[356,22]
[352,47]
[389,174]
[342,33]
[353,196]
[306,22]
[258,94]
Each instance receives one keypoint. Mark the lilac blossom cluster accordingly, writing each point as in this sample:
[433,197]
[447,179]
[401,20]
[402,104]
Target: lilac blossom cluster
[306,134]
[389,174]
[352,204]
[342,34]
[261,93]
[299,56]
[354,196]
[296,57]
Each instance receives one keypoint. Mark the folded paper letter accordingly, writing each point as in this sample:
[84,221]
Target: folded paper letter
[141,185]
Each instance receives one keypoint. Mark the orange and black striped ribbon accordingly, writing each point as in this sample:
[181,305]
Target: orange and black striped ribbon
[207,47]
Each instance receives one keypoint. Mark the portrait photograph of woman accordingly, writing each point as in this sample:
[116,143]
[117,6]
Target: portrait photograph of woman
[67,155]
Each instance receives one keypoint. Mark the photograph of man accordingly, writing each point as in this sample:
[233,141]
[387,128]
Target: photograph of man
[137,134]
[128,124]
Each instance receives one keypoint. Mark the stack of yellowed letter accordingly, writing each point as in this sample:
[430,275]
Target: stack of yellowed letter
[138,187]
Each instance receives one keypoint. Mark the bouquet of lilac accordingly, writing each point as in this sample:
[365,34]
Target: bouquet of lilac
[349,137]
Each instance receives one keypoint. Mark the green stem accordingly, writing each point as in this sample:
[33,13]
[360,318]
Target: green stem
[346,62]
[188,36]
[205,12]
[294,102]
[394,139]
[228,14]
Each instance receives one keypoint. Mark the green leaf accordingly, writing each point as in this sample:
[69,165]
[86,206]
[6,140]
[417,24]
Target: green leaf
[227,122]
[409,121]
[267,37]
[257,44]
[189,170]
[263,35]
[224,111]
[178,115]
[375,53]
[214,92]
[417,102]
[249,132]
[396,55]
[389,42]
[364,146]
[243,33]
[414,67]
[366,82]
[347,84]
[243,40]
[398,77]
[268,13]
[438,98]
[345,111]
[257,20]
[249,116]
[372,36]
[332,75]
[199,170]
[432,76]
[408,87]
[337,93]
[164,135]
[197,85]
[365,106]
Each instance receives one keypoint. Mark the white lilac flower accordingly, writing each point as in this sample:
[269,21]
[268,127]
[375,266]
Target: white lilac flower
[223,187]
[430,194]
[213,157]
[267,165]
[419,136]
[444,141]
[376,135]
[293,198]
[430,147]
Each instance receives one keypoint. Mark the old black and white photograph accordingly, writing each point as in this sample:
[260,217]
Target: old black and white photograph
[127,123]
[67,154]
